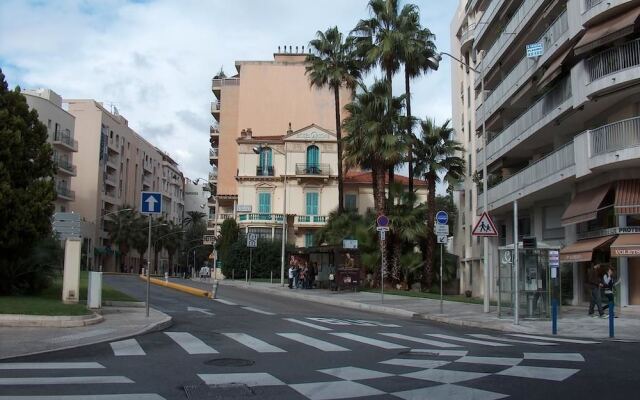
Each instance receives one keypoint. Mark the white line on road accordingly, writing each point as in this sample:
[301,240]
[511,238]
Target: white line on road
[254,343]
[309,324]
[420,340]
[52,365]
[249,379]
[258,311]
[309,341]
[442,353]
[190,343]
[227,302]
[373,342]
[459,339]
[481,336]
[415,363]
[129,347]
[554,356]
[64,380]
[128,396]
[490,360]
[555,339]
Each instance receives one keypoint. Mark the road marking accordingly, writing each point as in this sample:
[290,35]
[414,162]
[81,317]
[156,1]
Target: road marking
[554,356]
[335,390]
[564,340]
[373,342]
[481,336]
[354,373]
[190,343]
[406,362]
[490,360]
[52,365]
[459,339]
[254,343]
[309,324]
[81,335]
[546,373]
[249,379]
[443,353]
[128,396]
[258,311]
[444,375]
[227,302]
[420,340]
[313,342]
[64,380]
[449,392]
[354,322]
[330,321]
[128,347]
[200,310]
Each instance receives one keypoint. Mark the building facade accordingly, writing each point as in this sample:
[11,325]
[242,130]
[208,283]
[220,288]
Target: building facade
[116,165]
[196,197]
[60,130]
[562,133]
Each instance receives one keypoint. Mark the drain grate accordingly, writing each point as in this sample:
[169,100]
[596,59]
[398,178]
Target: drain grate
[219,392]
[230,362]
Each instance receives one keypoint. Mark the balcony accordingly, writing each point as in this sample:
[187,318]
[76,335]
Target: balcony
[214,131]
[616,136]
[218,83]
[264,171]
[112,145]
[215,108]
[147,166]
[213,153]
[467,36]
[613,60]
[110,180]
[146,181]
[64,166]
[64,140]
[589,4]
[213,176]
[64,192]
[487,18]
[258,217]
[313,169]
[311,220]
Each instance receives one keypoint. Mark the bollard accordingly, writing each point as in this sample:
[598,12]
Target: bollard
[233,274]
[554,316]
[246,275]
[611,317]
[271,277]
[166,277]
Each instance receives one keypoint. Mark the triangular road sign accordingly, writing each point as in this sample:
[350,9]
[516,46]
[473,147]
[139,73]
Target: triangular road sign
[485,226]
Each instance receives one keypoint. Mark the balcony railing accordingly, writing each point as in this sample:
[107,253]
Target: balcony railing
[220,82]
[65,138]
[614,59]
[213,130]
[264,171]
[65,165]
[213,176]
[487,18]
[225,216]
[616,136]
[213,153]
[589,4]
[215,106]
[537,112]
[260,217]
[63,191]
[312,169]
[312,219]
[467,34]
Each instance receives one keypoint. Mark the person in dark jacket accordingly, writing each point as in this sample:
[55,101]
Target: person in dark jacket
[594,283]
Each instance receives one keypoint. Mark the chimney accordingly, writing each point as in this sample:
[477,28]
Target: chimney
[289,49]
[278,49]
[296,49]
[243,133]
[302,50]
[249,133]
[289,131]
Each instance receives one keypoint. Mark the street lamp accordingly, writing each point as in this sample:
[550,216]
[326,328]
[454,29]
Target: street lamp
[435,61]
[257,150]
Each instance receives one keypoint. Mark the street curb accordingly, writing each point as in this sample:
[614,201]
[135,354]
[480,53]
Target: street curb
[181,288]
[135,304]
[164,323]
[49,321]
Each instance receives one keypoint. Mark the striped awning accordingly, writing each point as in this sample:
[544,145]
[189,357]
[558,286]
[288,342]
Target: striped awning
[584,206]
[582,250]
[608,31]
[627,197]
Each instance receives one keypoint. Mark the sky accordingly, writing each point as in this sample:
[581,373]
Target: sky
[154,59]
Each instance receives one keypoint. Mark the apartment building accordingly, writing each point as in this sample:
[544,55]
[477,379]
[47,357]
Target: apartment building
[196,197]
[60,130]
[116,165]
[562,130]
[263,98]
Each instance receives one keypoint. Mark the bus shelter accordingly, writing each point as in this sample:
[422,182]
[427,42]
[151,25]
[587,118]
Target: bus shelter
[330,261]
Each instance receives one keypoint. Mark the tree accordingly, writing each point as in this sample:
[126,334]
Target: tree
[229,233]
[121,228]
[333,63]
[140,235]
[26,186]
[172,241]
[438,158]
[194,218]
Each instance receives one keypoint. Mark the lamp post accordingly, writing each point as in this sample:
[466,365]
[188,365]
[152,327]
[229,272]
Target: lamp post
[257,150]
[435,61]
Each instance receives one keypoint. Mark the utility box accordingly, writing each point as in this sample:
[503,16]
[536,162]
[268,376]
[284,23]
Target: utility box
[71,275]
[94,291]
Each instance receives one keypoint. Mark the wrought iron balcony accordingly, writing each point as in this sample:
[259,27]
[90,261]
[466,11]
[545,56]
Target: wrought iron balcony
[313,169]
[260,217]
[264,171]
[312,219]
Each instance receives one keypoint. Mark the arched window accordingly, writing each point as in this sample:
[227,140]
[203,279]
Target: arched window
[313,159]
[265,166]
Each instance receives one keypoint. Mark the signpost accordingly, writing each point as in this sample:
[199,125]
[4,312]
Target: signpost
[485,228]
[535,50]
[150,204]
[208,239]
[442,230]
[382,223]
[252,241]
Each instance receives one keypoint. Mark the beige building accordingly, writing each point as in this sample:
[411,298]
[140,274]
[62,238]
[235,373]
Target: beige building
[116,165]
[562,137]
[60,129]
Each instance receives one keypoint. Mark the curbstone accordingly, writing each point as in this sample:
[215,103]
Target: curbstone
[176,286]
[57,321]
[136,304]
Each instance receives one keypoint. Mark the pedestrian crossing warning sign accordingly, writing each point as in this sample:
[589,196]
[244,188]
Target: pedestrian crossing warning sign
[485,226]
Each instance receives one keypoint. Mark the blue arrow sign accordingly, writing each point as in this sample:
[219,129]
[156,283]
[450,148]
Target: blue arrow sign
[442,217]
[151,203]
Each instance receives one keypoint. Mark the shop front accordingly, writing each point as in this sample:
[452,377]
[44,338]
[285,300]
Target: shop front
[626,250]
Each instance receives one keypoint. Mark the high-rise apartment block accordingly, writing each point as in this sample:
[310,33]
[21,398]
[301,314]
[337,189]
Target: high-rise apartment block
[558,124]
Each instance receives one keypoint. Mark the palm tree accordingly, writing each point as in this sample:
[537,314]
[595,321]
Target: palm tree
[121,228]
[194,218]
[170,240]
[438,159]
[333,63]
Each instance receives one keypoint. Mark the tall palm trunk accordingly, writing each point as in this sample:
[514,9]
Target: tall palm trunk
[336,92]
[391,167]
[379,201]
[431,239]
[407,86]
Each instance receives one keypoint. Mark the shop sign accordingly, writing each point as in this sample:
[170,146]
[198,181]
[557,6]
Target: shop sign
[629,229]
[625,252]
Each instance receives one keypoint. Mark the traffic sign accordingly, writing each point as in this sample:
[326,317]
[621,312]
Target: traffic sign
[442,217]
[151,203]
[208,239]
[66,225]
[442,239]
[383,234]
[349,244]
[485,226]
[252,240]
[382,221]
[442,229]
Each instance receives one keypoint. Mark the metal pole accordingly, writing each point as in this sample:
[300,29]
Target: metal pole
[441,304]
[554,316]
[250,254]
[516,265]
[382,265]
[611,317]
[485,240]
[148,266]
[284,219]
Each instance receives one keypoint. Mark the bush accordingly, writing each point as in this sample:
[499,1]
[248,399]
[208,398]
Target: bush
[265,258]
[34,273]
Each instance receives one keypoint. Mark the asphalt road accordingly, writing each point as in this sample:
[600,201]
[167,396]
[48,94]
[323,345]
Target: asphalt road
[254,346]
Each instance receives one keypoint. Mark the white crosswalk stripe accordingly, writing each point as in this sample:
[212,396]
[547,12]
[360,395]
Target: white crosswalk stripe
[64,380]
[249,379]
[313,342]
[254,343]
[256,310]
[554,339]
[227,302]
[308,324]
[420,340]
[129,347]
[466,340]
[127,396]
[52,365]
[190,343]
[373,342]
[500,339]
[554,356]
[490,360]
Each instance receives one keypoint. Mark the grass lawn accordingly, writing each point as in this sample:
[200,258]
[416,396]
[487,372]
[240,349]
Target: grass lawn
[49,301]
[428,295]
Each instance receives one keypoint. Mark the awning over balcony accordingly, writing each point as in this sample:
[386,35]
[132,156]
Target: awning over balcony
[554,69]
[626,246]
[608,31]
[584,207]
[582,250]
[627,197]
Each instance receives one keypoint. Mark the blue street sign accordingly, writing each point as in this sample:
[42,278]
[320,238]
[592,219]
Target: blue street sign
[442,217]
[535,50]
[382,221]
[151,203]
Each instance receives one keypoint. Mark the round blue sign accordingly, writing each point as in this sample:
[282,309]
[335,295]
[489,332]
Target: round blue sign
[382,220]
[442,217]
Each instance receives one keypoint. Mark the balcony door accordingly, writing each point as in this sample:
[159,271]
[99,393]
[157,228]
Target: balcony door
[312,203]
[264,205]
[313,159]
[265,162]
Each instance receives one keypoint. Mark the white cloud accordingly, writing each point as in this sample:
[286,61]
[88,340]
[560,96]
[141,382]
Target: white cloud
[154,60]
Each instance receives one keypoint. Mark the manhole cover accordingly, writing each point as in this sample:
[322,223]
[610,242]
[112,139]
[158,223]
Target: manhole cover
[218,392]
[230,362]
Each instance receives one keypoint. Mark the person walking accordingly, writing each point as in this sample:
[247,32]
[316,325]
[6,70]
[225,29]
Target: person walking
[291,271]
[608,283]
[594,283]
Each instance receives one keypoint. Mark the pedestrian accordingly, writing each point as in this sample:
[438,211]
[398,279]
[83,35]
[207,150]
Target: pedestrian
[594,283]
[291,271]
[296,276]
[608,283]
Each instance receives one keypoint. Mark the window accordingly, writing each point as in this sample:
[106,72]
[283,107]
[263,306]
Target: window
[313,156]
[470,201]
[312,203]
[49,124]
[308,239]
[469,165]
[351,202]
[264,203]
[265,167]
[469,131]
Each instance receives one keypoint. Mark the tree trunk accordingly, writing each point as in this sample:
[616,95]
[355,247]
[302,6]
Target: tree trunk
[431,239]
[396,245]
[407,86]
[336,92]
[380,210]
[391,167]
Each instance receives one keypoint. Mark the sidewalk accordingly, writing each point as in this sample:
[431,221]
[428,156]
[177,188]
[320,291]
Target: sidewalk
[573,321]
[119,323]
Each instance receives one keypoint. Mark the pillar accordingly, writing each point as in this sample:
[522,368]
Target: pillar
[623,269]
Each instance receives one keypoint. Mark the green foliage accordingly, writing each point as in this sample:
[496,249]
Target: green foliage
[35,272]
[195,230]
[265,258]
[229,233]
[26,188]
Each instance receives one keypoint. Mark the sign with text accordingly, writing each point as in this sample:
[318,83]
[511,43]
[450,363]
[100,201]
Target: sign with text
[535,50]
[441,229]
[208,239]
[350,244]
[252,240]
